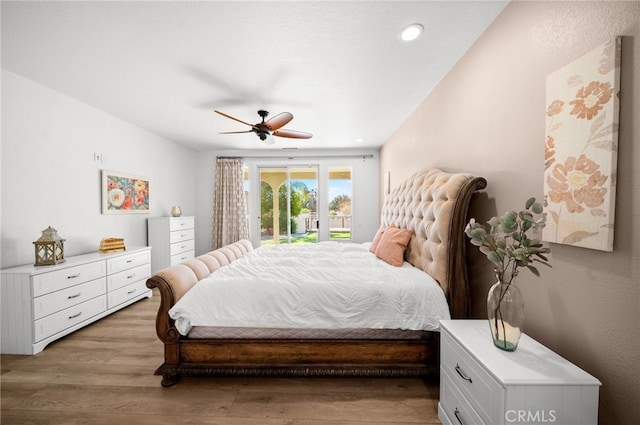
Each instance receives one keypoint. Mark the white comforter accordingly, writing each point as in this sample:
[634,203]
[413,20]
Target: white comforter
[328,285]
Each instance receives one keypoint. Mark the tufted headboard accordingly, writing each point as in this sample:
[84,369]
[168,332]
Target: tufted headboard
[433,204]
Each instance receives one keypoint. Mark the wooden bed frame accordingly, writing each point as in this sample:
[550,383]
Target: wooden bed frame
[433,204]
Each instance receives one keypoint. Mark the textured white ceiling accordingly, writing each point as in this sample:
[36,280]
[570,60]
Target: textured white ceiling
[164,66]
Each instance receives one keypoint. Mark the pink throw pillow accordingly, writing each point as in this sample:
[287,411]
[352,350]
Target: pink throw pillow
[376,239]
[392,245]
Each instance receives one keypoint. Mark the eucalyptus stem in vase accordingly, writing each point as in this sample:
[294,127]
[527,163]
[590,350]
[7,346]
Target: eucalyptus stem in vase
[508,247]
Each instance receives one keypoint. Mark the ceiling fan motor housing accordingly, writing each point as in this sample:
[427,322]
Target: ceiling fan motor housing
[261,129]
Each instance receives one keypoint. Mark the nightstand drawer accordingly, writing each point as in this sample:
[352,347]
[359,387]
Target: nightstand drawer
[181,224]
[473,380]
[59,300]
[127,277]
[69,317]
[179,247]
[182,235]
[455,407]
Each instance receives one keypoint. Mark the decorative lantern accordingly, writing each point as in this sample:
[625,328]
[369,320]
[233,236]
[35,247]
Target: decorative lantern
[49,248]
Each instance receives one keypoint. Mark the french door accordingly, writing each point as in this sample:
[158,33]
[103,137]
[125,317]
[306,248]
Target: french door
[288,204]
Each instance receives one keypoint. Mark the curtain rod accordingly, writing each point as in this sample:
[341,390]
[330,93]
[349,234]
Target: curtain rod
[363,156]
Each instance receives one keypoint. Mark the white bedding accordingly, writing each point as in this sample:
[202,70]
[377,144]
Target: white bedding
[328,285]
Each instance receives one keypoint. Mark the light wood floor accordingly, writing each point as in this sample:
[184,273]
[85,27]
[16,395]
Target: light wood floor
[103,374]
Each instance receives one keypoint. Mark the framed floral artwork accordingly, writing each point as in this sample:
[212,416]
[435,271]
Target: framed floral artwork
[581,149]
[124,193]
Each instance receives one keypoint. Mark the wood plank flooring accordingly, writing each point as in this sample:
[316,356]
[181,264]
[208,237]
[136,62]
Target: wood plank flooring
[103,374]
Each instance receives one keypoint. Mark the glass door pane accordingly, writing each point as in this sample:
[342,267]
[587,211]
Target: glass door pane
[303,182]
[271,180]
[288,205]
[340,193]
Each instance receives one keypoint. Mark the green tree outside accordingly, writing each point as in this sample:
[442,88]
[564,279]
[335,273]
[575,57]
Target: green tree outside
[299,193]
[341,204]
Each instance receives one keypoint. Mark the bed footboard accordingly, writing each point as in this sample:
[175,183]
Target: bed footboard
[303,358]
[172,283]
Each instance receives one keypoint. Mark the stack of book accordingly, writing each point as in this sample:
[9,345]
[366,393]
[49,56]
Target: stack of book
[112,245]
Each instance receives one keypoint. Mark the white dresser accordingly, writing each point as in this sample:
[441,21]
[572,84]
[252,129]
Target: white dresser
[172,240]
[481,384]
[42,304]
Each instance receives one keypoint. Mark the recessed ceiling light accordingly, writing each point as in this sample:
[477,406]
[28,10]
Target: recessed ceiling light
[411,32]
[359,140]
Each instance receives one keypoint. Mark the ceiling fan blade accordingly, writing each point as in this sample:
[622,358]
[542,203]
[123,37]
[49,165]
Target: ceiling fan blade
[293,134]
[233,118]
[235,132]
[279,120]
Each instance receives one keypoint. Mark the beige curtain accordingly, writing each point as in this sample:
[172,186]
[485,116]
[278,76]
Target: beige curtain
[229,207]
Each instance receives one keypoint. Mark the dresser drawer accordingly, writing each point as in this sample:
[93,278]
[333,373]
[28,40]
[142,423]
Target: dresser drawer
[69,317]
[122,295]
[127,277]
[124,262]
[184,246]
[59,300]
[181,258]
[456,408]
[181,235]
[473,380]
[181,224]
[54,281]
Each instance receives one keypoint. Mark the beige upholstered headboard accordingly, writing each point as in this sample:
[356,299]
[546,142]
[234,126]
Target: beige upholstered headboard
[433,204]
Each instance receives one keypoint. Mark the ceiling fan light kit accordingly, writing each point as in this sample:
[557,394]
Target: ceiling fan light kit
[267,129]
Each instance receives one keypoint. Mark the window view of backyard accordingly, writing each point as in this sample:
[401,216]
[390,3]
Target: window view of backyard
[289,205]
[340,194]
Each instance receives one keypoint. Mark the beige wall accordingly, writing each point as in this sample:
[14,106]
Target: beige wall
[487,117]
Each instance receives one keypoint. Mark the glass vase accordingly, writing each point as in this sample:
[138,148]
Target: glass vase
[176,211]
[505,310]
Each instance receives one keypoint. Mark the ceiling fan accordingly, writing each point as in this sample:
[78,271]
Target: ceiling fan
[271,127]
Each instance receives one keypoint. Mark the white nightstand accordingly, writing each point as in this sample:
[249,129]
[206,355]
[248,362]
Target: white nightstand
[481,384]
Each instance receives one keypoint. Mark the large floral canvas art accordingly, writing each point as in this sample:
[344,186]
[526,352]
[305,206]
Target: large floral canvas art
[124,193]
[581,149]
